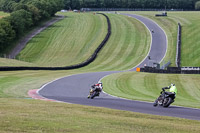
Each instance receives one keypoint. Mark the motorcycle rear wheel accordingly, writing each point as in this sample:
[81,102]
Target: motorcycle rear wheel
[168,102]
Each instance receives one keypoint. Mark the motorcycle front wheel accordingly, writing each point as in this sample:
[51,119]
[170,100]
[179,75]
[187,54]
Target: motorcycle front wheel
[93,95]
[155,103]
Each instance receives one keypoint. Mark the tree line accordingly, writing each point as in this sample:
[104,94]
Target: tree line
[24,14]
[156,4]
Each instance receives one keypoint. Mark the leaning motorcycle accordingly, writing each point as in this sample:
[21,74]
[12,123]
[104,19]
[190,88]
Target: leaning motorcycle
[164,99]
[93,93]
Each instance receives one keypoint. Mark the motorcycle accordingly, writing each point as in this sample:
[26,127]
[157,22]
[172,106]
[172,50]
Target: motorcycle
[93,93]
[165,99]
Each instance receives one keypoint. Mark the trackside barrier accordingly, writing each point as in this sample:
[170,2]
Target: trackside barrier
[126,9]
[178,49]
[163,14]
[190,70]
[85,63]
[172,70]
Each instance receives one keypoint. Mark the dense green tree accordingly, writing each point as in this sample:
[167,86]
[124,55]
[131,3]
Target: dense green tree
[35,13]
[7,34]
[24,14]
[158,4]
[21,20]
[7,5]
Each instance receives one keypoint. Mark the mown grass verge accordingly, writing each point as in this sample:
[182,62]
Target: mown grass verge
[18,115]
[147,87]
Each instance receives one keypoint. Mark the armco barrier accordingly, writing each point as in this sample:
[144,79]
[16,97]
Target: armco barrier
[178,49]
[172,70]
[85,63]
[190,70]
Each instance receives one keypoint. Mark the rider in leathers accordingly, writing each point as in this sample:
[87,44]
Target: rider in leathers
[97,87]
[172,90]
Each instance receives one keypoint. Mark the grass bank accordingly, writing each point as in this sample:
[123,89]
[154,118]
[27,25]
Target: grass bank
[147,87]
[19,115]
[126,46]
[67,42]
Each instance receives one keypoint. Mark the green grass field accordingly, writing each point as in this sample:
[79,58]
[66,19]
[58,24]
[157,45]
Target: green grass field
[20,114]
[147,87]
[33,116]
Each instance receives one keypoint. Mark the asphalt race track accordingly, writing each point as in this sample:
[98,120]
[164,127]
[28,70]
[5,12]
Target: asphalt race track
[75,88]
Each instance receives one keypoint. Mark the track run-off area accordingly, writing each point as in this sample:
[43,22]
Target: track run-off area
[75,88]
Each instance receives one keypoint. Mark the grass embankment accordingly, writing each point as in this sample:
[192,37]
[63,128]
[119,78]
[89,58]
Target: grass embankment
[68,42]
[190,55]
[190,38]
[126,47]
[147,87]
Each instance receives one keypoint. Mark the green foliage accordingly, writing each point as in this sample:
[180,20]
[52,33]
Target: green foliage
[159,4]
[20,20]
[197,5]
[7,34]
[7,5]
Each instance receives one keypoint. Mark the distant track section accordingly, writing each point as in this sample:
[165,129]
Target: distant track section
[85,63]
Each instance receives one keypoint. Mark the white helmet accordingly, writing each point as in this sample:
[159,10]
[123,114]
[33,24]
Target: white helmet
[99,82]
[172,84]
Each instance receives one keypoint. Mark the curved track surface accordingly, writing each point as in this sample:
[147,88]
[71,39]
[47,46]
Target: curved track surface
[74,89]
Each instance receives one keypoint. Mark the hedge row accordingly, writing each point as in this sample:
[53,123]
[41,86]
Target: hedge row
[85,63]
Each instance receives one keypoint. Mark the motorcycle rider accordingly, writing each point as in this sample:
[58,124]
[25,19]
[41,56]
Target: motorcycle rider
[172,90]
[97,87]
